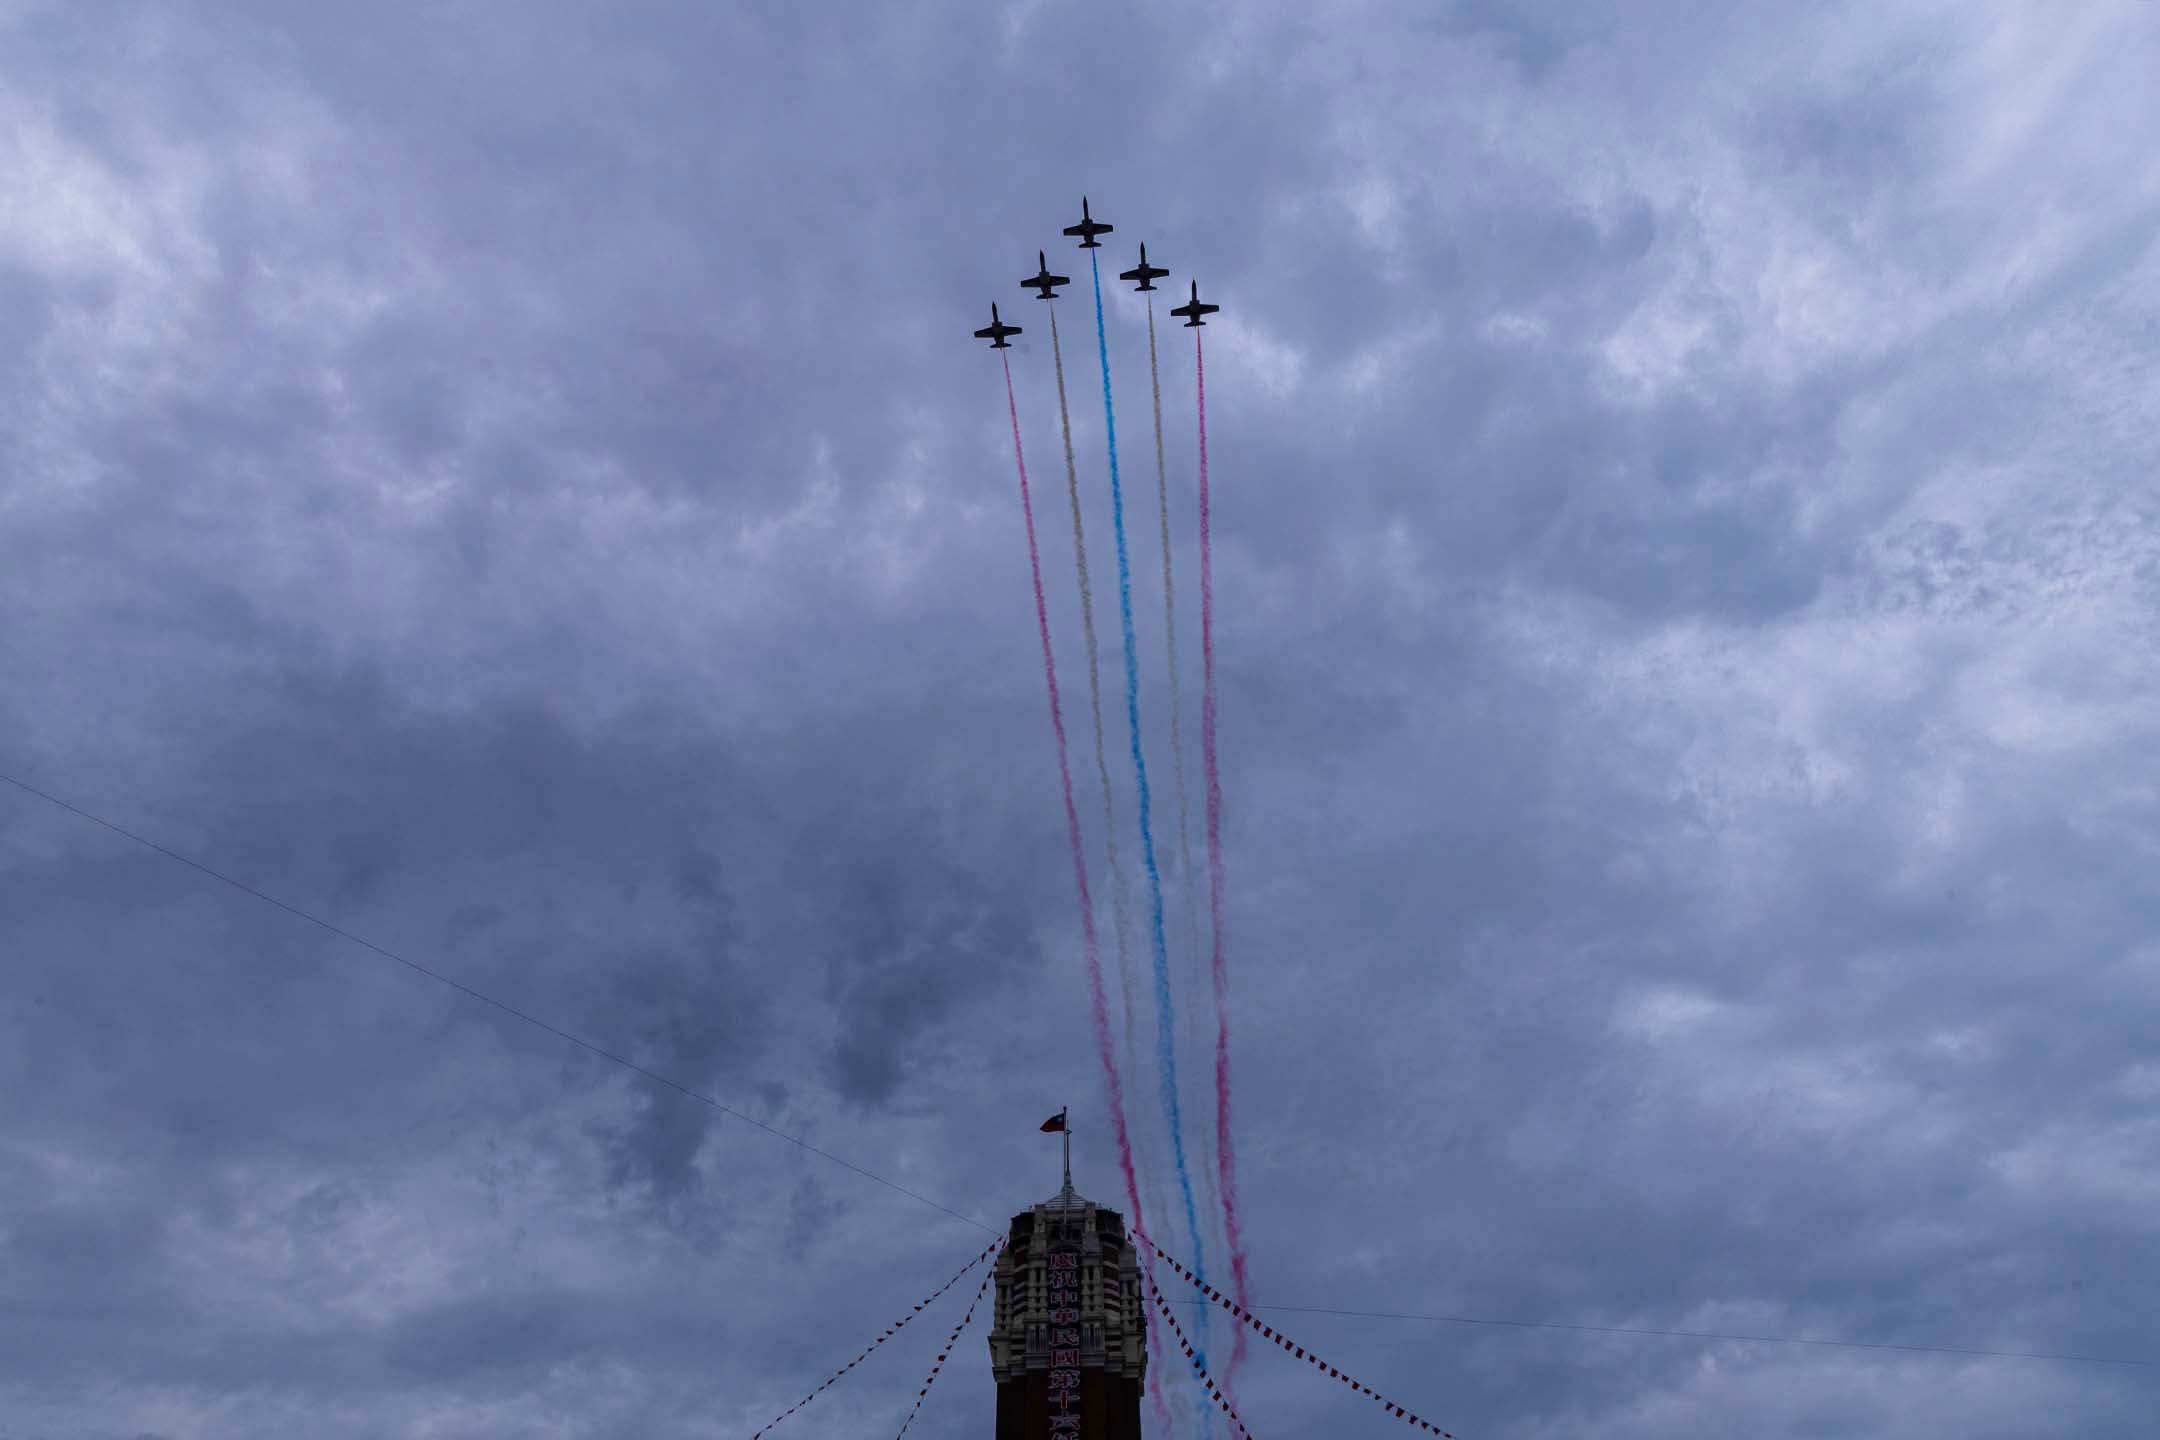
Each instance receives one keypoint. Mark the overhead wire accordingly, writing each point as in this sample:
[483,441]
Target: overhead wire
[1198,1362]
[1291,1347]
[824,1154]
[1703,1335]
[508,1009]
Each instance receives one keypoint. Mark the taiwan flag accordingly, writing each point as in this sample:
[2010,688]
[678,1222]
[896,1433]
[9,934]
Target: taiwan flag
[1054,1124]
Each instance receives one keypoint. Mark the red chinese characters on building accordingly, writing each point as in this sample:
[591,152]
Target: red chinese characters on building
[1064,1378]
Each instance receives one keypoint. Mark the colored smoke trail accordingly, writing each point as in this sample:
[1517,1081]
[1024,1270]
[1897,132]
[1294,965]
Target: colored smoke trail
[1189,888]
[1090,946]
[1120,914]
[1225,1153]
[1120,909]
[1165,1033]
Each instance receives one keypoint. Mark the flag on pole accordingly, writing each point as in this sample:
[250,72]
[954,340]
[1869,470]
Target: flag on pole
[1056,1125]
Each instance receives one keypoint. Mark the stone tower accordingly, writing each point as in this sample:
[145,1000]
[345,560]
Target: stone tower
[1068,1338]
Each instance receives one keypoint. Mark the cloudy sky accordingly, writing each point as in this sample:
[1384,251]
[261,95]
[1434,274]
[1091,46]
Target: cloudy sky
[515,482]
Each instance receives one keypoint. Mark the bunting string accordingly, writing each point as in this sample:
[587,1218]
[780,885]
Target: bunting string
[891,1330]
[1198,1364]
[1283,1342]
[951,1341]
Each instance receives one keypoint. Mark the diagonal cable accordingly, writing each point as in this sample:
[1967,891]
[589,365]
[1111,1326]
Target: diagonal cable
[1193,1356]
[891,1330]
[698,1095]
[951,1341]
[705,1099]
[1284,1342]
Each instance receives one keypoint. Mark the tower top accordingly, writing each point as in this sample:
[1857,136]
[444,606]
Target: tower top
[1067,1198]
[1068,1341]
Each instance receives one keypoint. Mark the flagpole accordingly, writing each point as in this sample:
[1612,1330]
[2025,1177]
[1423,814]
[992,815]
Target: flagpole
[1066,1127]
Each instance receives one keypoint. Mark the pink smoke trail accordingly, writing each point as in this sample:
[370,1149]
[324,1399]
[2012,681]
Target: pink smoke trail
[1091,947]
[1097,1000]
[1225,1153]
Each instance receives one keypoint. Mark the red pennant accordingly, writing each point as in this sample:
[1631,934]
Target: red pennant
[1281,1341]
[893,1330]
[950,1341]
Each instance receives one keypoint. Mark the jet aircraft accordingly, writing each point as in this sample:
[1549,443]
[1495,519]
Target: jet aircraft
[1195,310]
[1043,279]
[1088,228]
[1145,273]
[996,331]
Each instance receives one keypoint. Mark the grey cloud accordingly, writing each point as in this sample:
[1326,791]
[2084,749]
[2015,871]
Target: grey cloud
[523,493]
[480,1336]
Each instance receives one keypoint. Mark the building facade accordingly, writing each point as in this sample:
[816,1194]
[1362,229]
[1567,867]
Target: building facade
[1068,1337]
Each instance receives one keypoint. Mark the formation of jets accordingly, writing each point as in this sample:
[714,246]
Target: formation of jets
[1045,284]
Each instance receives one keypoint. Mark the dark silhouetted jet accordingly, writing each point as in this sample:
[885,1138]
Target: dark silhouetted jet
[996,331]
[1042,279]
[1195,310]
[1145,273]
[1088,228]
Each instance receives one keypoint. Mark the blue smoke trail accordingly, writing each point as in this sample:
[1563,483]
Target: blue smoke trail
[1165,1034]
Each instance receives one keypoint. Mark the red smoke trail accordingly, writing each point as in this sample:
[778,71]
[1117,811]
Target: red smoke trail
[1120,920]
[1225,1154]
[1089,946]
[1188,885]
[1072,825]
